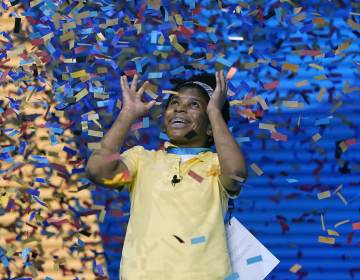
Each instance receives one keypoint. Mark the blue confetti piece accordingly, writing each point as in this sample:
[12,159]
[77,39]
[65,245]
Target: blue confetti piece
[8,149]
[154,35]
[164,136]
[146,122]
[33,192]
[254,259]
[39,201]
[25,253]
[48,278]
[177,70]
[155,75]
[100,270]
[198,240]
[233,276]
[5,261]
[224,61]
[323,121]
[242,139]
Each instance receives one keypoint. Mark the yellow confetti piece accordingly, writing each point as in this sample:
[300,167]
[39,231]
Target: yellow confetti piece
[327,240]
[102,215]
[332,232]
[256,169]
[292,104]
[319,20]
[169,91]
[175,44]
[290,67]
[341,223]
[324,195]
[81,94]
[302,83]
[343,46]
[250,65]
[67,36]
[118,179]
[336,106]
[321,94]
[267,126]
[94,146]
[343,146]
[298,18]
[295,268]
[316,66]
[95,133]
[320,77]
[316,137]
[111,22]
[251,50]
[353,24]
[78,74]
[262,102]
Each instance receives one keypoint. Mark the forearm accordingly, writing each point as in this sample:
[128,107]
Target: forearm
[110,145]
[231,158]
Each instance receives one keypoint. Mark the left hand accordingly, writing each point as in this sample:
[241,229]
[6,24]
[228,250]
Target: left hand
[218,98]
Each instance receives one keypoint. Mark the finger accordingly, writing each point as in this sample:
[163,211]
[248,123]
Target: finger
[134,82]
[126,82]
[150,104]
[222,81]
[141,90]
[122,83]
[217,80]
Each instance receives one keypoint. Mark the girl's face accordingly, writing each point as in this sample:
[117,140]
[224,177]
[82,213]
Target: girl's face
[185,120]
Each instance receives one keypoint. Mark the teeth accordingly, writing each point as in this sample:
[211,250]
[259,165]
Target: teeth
[178,120]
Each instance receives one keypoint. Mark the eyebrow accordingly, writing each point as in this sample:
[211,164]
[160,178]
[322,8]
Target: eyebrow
[193,98]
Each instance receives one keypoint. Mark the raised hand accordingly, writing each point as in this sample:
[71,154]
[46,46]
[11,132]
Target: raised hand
[132,103]
[218,98]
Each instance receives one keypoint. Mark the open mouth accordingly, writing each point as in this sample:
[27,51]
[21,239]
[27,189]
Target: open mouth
[179,122]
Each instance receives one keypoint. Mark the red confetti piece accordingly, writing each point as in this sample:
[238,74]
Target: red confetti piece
[310,52]
[351,141]
[271,85]
[195,176]
[278,136]
[356,226]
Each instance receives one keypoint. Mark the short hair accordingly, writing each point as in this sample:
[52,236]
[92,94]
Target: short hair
[205,78]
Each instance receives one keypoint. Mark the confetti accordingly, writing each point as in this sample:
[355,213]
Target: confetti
[195,176]
[323,195]
[253,260]
[256,169]
[327,240]
[295,268]
[198,240]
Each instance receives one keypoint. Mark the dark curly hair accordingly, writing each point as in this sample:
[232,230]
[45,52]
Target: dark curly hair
[205,78]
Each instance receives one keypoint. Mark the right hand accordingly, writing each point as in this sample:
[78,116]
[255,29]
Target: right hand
[132,99]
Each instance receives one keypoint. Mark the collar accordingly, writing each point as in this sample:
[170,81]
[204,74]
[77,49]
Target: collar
[173,149]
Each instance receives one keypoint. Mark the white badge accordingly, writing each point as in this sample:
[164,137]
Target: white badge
[250,259]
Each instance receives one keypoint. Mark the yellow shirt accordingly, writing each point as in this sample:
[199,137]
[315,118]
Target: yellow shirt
[174,232]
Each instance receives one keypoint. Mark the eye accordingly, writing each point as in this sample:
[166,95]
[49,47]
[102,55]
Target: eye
[173,102]
[194,103]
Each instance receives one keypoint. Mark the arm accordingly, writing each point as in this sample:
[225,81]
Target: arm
[105,163]
[232,160]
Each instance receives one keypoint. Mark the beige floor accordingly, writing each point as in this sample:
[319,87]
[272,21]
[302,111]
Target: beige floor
[53,256]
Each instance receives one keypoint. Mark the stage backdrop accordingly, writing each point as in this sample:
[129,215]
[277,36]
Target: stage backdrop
[293,72]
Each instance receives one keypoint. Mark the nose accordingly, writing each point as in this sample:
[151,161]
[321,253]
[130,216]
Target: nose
[180,107]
